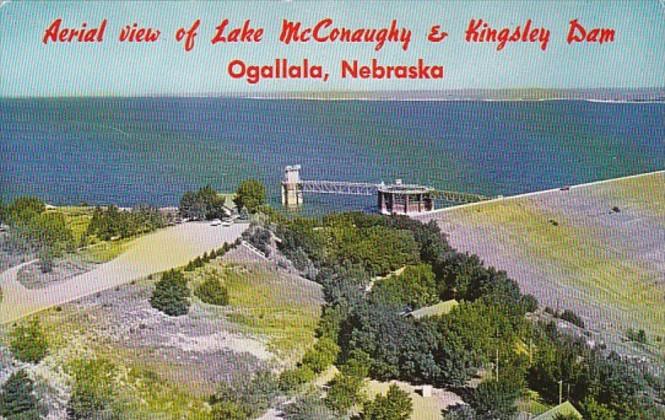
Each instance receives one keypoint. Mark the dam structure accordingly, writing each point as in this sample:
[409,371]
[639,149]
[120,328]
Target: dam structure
[396,198]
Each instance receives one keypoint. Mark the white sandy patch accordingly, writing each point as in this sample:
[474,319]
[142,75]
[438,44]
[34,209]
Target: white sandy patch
[220,341]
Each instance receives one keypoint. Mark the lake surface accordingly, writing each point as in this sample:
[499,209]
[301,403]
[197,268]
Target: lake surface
[151,150]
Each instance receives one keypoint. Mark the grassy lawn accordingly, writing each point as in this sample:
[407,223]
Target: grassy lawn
[105,251]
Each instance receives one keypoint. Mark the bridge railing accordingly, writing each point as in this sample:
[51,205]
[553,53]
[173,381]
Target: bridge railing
[365,188]
[339,187]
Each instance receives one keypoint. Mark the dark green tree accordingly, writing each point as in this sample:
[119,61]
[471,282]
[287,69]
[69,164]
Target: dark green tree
[495,399]
[171,294]
[251,194]
[307,407]
[17,397]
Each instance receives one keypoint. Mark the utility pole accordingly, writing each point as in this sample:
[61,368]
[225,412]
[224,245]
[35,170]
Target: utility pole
[560,391]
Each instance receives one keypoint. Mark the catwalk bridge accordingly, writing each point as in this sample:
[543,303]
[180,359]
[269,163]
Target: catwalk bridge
[397,198]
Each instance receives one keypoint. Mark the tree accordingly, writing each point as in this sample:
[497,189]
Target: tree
[495,399]
[250,194]
[28,342]
[171,294]
[17,397]
[307,407]
[414,287]
[244,398]
[345,391]
[396,405]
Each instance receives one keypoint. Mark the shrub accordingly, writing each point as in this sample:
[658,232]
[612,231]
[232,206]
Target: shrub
[17,398]
[229,410]
[212,291]
[572,317]
[171,294]
[322,355]
[637,335]
[28,342]
[93,390]
[307,407]
[529,303]
[292,379]
[244,398]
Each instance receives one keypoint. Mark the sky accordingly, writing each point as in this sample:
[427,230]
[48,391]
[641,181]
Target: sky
[29,68]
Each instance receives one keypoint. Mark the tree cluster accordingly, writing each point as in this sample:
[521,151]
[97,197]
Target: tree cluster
[244,398]
[111,222]
[204,204]
[483,333]
[33,229]
[251,195]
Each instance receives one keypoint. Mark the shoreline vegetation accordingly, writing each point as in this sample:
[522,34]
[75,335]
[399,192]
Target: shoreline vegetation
[497,349]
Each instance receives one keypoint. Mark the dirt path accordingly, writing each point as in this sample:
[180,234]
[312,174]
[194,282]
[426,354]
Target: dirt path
[158,251]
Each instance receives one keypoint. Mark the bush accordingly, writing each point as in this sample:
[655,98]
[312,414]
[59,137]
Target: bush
[212,291]
[292,379]
[243,399]
[229,410]
[637,335]
[17,398]
[572,317]
[396,405]
[171,294]
[28,342]
[322,355]
[307,407]
[93,390]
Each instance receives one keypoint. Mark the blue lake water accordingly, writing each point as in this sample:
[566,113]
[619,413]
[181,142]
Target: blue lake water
[150,150]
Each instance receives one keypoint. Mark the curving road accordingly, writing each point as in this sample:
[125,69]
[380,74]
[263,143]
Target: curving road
[152,253]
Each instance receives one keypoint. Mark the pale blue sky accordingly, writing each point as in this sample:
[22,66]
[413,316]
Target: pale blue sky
[30,68]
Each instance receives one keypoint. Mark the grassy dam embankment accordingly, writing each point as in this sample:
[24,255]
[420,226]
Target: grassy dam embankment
[598,249]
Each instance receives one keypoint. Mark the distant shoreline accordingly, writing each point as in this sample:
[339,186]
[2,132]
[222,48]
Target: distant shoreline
[600,95]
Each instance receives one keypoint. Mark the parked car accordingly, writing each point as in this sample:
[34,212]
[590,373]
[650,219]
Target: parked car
[216,222]
[227,223]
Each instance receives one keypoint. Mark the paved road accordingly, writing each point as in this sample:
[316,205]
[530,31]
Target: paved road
[155,252]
